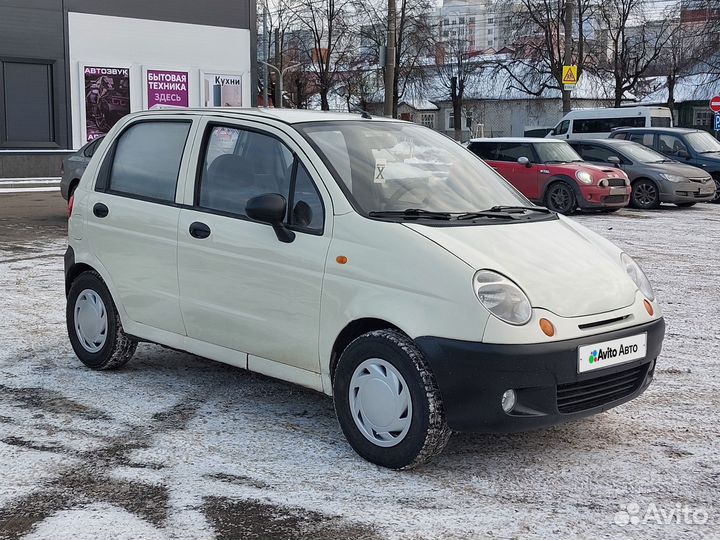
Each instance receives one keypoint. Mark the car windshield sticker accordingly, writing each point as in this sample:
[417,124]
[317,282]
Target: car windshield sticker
[380,165]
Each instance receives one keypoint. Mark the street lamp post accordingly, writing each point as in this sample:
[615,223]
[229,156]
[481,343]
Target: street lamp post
[281,74]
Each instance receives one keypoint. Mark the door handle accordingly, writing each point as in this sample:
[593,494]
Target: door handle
[100,210]
[199,230]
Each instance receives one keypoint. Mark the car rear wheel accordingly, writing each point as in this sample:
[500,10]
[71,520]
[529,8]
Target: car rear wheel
[387,401]
[645,195]
[560,198]
[93,324]
[685,204]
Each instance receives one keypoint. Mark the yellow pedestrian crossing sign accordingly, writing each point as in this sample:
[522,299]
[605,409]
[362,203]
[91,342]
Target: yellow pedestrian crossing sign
[569,77]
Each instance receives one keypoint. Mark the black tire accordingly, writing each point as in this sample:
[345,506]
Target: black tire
[428,433]
[118,348]
[645,195]
[685,204]
[560,198]
[716,198]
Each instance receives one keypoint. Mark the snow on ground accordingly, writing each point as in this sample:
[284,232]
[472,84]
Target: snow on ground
[175,446]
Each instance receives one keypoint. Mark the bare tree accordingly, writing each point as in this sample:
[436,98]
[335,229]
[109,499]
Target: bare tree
[542,33]
[457,69]
[634,38]
[325,30]
[414,40]
[281,19]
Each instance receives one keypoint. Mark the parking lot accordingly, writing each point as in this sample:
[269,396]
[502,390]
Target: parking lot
[175,446]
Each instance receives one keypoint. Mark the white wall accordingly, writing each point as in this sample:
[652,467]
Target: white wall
[100,40]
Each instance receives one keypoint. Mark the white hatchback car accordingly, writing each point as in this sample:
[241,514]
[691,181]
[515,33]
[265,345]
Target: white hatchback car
[371,259]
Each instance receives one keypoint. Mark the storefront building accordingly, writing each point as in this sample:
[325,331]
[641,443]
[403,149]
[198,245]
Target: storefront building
[69,69]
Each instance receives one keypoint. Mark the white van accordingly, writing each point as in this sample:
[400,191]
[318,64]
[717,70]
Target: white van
[374,260]
[598,123]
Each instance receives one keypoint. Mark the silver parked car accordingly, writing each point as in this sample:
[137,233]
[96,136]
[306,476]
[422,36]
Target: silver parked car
[74,166]
[654,178]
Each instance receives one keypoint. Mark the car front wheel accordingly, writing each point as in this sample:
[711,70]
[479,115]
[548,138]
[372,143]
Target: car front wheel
[716,198]
[387,401]
[560,198]
[93,324]
[645,195]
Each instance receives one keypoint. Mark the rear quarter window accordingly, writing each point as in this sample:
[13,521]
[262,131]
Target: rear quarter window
[484,150]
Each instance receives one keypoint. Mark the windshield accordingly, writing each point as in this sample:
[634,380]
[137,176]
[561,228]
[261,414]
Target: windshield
[394,166]
[638,153]
[703,142]
[556,152]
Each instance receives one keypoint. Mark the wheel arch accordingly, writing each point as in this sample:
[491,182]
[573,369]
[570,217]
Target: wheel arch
[563,179]
[72,186]
[74,271]
[352,331]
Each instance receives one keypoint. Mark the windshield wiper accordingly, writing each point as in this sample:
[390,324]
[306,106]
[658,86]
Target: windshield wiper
[503,208]
[412,213]
[709,152]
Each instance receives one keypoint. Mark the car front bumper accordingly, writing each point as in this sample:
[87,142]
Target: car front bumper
[472,378]
[607,197]
[687,192]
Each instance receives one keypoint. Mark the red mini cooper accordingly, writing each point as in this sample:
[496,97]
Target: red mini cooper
[551,173]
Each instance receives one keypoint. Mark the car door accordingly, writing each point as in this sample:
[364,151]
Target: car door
[132,222]
[523,177]
[240,286]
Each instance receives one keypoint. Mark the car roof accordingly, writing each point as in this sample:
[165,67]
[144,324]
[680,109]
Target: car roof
[658,129]
[610,142]
[517,139]
[289,116]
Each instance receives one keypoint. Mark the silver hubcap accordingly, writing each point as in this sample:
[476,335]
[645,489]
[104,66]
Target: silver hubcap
[90,320]
[380,402]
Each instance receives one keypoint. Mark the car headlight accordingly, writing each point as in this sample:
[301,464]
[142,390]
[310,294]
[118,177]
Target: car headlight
[502,297]
[674,178]
[584,176]
[637,275]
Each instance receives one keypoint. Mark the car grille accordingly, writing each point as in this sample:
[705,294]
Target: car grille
[616,182]
[703,180]
[615,198]
[583,395]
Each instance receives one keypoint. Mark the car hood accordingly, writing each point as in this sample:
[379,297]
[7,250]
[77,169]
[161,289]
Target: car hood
[679,169]
[560,269]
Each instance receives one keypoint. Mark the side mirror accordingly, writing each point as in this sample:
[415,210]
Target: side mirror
[271,208]
[614,160]
[683,154]
[524,161]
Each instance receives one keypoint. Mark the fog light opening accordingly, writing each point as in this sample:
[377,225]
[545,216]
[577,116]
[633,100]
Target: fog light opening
[547,327]
[648,307]
[509,399]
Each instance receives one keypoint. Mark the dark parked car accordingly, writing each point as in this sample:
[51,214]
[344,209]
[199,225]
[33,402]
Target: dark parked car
[74,166]
[691,146]
[654,177]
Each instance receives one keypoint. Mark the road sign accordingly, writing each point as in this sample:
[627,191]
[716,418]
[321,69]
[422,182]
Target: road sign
[569,77]
[717,121]
[715,104]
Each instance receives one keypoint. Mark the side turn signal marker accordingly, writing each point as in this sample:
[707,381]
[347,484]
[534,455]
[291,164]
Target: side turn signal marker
[547,327]
[648,307]
[341,259]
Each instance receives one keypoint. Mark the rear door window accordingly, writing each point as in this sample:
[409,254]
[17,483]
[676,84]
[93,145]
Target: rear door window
[146,160]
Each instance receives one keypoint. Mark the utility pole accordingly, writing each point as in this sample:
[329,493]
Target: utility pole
[265,57]
[278,63]
[281,76]
[390,59]
[567,60]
